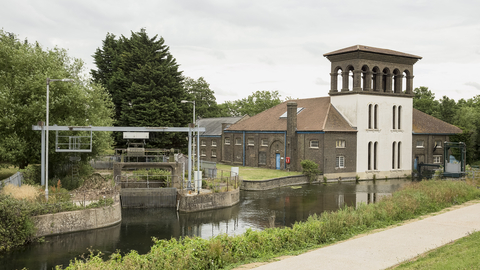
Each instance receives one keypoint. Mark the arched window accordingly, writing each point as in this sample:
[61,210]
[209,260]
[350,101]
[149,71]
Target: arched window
[337,81]
[394,147]
[350,78]
[399,152]
[375,147]
[394,111]
[369,156]
[399,122]
[375,126]
[370,109]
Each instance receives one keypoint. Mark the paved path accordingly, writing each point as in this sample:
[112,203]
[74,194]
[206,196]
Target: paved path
[387,248]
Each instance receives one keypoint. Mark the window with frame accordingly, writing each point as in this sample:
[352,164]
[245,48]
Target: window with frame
[214,152]
[238,141]
[264,142]
[438,144]
[314,144]
[250,141]
[420,143]
[203,143]
[437,159]
[340,162]
[227,141]
[203,153]
[340,144]
[262,158]
[214,143]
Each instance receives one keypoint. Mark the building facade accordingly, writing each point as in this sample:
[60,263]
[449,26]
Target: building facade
[365,128]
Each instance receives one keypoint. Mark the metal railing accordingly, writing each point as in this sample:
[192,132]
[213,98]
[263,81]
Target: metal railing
[15,179]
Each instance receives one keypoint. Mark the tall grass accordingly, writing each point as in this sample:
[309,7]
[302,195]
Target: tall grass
[221,251]
[27,192]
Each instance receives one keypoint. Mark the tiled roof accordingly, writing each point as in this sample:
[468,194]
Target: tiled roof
[318,115]
[373,50]
[213,126]
[427,124]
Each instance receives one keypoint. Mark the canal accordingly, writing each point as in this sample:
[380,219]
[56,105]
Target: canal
[257,210]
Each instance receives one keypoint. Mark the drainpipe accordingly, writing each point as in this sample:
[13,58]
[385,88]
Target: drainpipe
[243,148]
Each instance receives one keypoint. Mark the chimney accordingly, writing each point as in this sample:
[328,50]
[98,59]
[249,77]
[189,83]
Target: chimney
[292,135]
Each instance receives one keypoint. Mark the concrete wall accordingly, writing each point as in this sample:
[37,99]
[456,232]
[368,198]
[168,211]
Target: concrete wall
[193,203]
[148,197]
[79,220]
[275,183]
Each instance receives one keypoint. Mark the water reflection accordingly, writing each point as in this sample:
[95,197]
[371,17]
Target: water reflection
[257,210]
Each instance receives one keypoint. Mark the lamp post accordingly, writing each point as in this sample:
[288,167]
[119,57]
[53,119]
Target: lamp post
[198,137]
[46,129]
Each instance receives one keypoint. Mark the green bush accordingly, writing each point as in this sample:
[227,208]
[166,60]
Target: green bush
[32,175]
[310,169]
[16,226]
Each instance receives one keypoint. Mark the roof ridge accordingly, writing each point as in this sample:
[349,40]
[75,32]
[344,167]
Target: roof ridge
[326,116]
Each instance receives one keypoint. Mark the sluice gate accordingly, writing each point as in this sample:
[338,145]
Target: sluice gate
[148,197]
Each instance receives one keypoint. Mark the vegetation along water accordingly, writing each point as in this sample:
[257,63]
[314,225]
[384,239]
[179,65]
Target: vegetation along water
[225,250]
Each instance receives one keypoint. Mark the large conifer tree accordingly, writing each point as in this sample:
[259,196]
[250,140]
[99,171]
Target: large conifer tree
[146,85]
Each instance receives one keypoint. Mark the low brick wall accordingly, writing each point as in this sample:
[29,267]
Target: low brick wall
[275,182]
[79,220]
[208,201]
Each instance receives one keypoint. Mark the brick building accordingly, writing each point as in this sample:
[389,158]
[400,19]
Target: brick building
[210,140]
[367,127]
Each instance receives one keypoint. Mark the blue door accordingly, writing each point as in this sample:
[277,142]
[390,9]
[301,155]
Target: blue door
[277,163]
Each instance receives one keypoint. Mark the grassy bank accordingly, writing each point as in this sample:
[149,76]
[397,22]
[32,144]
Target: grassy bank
[255,173]
[461,254]
[226,251]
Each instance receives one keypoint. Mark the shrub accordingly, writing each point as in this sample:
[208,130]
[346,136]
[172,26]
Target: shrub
[310,169]
[32,175]
[16,226]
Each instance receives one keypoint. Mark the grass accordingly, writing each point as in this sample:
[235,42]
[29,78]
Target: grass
[460,254]
[27,192]
[225,251]
[255,173]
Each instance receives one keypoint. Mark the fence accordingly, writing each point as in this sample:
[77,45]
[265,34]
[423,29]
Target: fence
[221,180]
[62,201]
[15,179]
[144,181]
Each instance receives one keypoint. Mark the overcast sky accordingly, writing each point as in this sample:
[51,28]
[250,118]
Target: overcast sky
[243,46]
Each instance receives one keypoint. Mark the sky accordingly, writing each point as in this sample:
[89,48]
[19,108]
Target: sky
[244,46]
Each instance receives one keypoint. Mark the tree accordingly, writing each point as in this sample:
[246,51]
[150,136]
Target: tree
[255,103]
[205,101]
[424,100]
[23,72]
[145,84]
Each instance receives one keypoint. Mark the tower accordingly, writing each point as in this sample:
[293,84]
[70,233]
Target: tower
[373,89]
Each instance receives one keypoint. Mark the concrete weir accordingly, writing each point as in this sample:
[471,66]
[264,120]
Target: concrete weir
[148,197]
[207,201]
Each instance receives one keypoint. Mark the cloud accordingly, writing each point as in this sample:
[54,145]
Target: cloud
[474,84]
[320,81]
[267,60]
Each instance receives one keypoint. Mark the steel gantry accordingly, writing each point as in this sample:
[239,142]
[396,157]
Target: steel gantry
[91,129]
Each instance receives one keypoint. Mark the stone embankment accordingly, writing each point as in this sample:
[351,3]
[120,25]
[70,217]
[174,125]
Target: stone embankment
[80,220]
